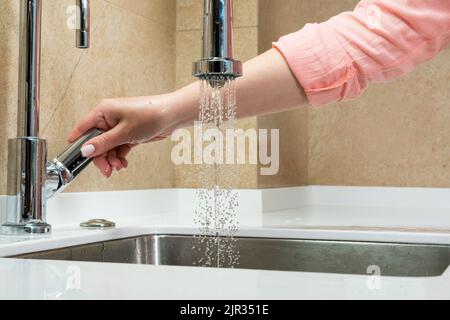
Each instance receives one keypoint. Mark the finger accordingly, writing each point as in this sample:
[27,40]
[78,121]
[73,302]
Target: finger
[103,143]
[103,165]
[157,139]
[114,161]
[83,126]
[122,153]
[95,119]
[124,162]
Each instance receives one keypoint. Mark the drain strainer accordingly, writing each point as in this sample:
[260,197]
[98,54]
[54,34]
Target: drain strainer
[97,224]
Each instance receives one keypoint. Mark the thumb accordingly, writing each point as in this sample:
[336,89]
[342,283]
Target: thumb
[102,143]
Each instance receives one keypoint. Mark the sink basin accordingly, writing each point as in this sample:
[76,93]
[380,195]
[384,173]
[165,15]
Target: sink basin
[392,259]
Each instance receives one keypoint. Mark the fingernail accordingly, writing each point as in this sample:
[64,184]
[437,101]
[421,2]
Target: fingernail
[88,150]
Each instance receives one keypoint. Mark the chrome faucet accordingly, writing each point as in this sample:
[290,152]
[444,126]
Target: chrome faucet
[217,63]
[31,179]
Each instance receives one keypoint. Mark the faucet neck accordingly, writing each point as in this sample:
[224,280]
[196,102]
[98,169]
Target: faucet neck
[217,58]
[29,68]
[83,24]
[218,29]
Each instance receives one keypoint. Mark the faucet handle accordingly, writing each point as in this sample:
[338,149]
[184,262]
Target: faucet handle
[68,165]
[83,30]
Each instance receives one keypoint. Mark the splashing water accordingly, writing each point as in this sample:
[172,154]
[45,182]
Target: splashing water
[216,214]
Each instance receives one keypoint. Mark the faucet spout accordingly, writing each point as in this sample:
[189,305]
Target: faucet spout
[31,179]
[63,169]
[83,27]
[217,58]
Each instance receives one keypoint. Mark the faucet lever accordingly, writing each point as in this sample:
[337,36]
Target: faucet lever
[83,24]
[62,170]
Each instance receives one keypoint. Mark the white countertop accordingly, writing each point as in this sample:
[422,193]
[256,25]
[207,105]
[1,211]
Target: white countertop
[310,219]
[25,279]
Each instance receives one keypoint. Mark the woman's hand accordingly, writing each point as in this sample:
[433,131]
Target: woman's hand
[127,122]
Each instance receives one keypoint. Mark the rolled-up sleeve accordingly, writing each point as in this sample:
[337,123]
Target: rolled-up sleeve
[379,41]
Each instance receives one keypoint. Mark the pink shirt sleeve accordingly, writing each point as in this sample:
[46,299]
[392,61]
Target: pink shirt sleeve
[379,41]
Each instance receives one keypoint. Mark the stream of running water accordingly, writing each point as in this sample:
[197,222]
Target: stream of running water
[216,213]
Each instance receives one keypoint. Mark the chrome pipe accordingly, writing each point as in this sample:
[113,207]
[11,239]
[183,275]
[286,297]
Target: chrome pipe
[31,179]
[29,68]
[218,29]
[217,49]
[83,21]
[25,189]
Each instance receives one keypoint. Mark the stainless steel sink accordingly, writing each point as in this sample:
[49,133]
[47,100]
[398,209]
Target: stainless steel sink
[392,259]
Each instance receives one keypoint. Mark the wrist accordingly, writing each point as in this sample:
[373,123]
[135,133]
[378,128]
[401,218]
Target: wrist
[184,104]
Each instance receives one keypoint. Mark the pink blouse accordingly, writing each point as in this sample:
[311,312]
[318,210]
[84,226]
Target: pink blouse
[379,41]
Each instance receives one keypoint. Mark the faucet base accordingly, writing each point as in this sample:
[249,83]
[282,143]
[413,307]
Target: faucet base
[37,228]
[27,159]
[27,229]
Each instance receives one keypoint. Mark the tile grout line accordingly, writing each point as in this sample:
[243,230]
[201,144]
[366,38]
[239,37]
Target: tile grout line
[63,97]
[69,81]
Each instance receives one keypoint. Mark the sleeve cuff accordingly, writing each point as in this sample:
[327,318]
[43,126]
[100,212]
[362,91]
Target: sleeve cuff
[320,64]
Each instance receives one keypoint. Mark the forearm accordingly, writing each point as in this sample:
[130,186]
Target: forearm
[268,86]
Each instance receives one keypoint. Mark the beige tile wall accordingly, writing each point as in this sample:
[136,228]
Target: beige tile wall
[397,134]
[189,34]
[133,53]
[8,80]
[293,125]
[278,18]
